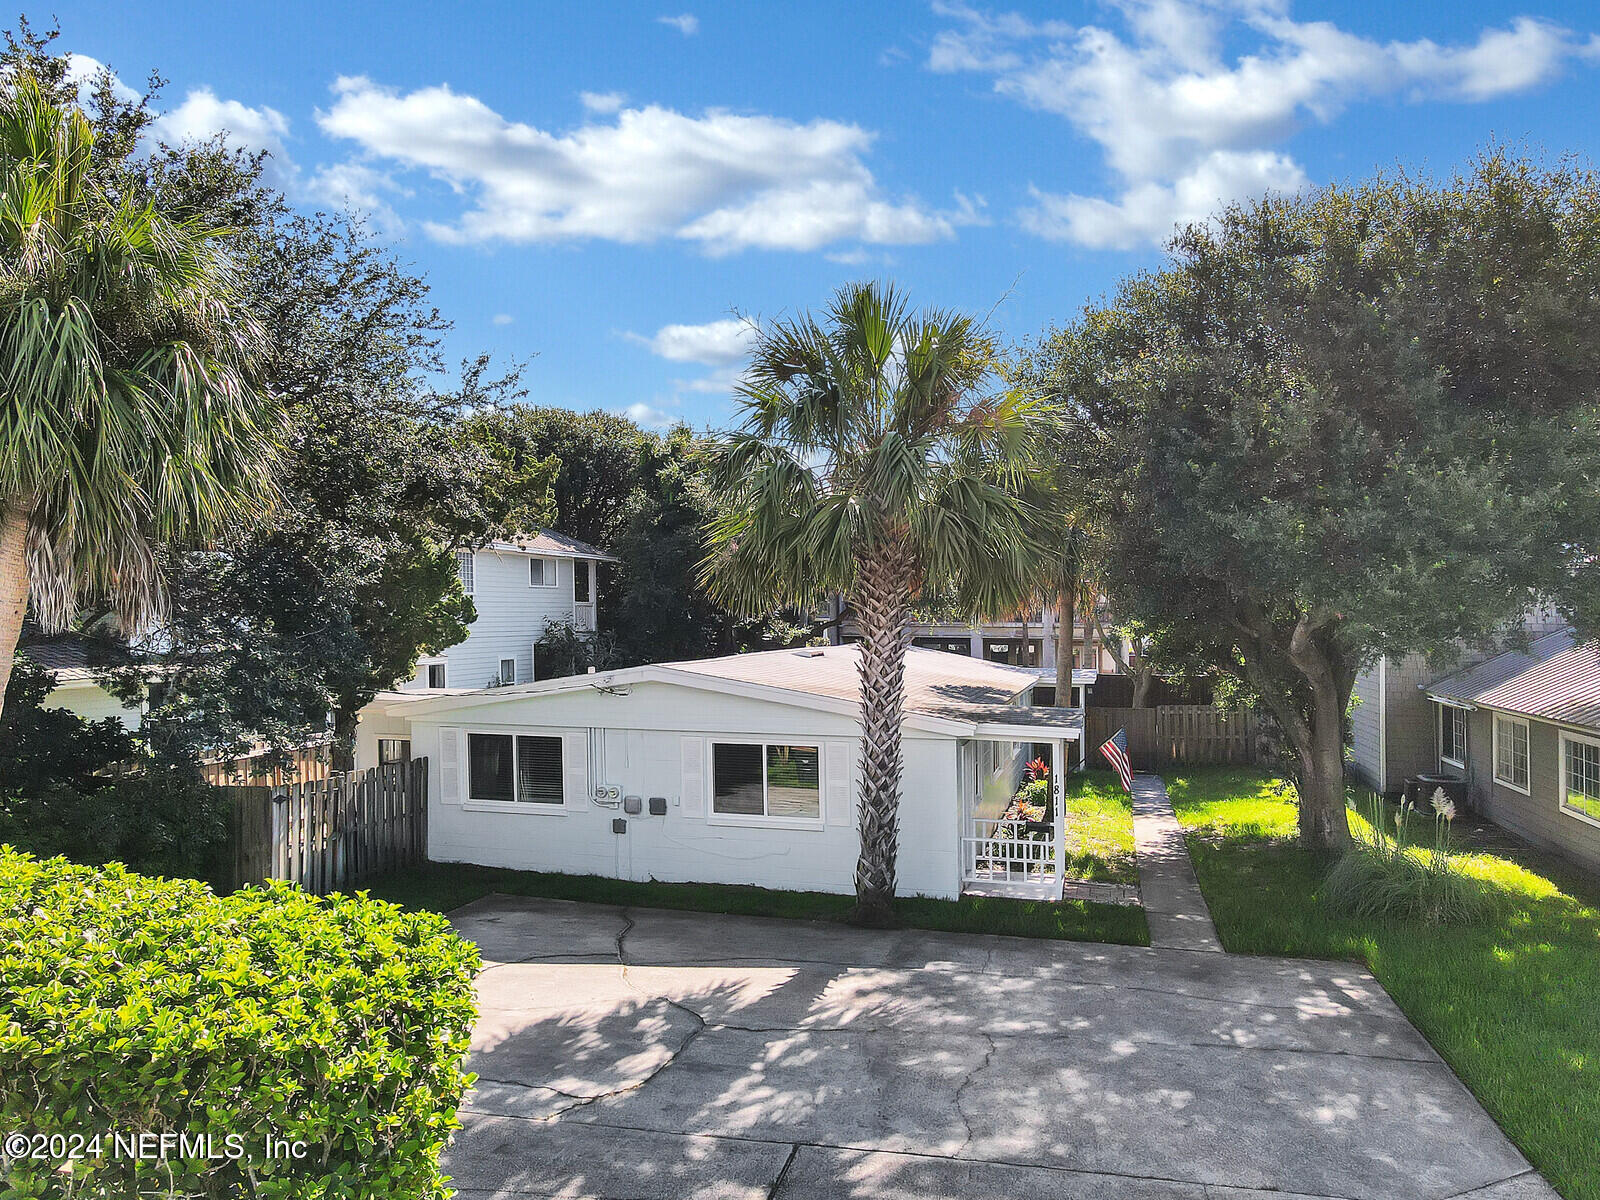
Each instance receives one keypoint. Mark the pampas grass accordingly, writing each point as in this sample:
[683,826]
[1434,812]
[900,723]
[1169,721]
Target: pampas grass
[1390,877]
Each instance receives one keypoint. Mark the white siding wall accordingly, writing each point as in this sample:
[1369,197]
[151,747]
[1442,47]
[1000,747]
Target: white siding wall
[1366,752]
[655,742]
[93,703]
[511,617]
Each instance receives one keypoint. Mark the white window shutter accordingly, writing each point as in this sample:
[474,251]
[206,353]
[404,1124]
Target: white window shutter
[693,781]
[449,765]
[839,805]
[575,768]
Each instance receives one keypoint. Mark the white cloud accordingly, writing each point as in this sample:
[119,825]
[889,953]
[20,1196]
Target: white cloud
[603,102]
[1151,211]
[650,418]
[714,344]
[358,186]
[1178,119]
[85,71]
[202,115]
[503,318]
[723,181]
[685,23]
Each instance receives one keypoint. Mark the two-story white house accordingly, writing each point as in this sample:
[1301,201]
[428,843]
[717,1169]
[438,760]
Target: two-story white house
[518,586]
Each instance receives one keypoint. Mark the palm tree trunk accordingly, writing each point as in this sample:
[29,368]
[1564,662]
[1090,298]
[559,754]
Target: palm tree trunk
[1066,642]
[881,602]
[14,584]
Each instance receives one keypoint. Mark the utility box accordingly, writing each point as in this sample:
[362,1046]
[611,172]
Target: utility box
[658,806]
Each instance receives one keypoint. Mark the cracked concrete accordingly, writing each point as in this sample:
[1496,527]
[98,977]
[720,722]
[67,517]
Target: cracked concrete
[632,1053]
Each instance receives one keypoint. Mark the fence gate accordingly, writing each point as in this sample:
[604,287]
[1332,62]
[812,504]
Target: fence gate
[332,834]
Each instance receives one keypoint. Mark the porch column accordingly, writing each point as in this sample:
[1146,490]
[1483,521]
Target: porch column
[976,643]
[1058,789]
[1047,657]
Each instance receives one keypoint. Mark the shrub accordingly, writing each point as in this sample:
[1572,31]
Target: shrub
[131,1005]
[163,820]
[1383,876]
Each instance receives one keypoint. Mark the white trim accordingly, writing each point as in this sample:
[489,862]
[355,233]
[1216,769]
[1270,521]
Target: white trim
[1561,775]
[1494,753]
[504,659]
[1383,722]
[433,660]
[765,820]
[548,807]
[1452,702]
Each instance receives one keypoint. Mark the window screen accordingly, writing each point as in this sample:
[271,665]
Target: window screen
[736,780]
[541,572]
[794,785]
[1453,734]
[1511,752]
[580,582]
[464,569]
[508,670]
[489,766]
[436,675]
[539,770]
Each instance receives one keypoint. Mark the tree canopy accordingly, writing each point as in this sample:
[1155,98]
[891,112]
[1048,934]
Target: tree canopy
[1359,421]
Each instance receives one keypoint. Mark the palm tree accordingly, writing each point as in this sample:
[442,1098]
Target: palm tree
[873,463]
[128,416]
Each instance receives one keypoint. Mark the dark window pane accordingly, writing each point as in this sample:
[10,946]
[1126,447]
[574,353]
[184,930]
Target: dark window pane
[436,675]
[580,582]
[539,770]
[489,766]
[393,750]
[736,779]
[794,785]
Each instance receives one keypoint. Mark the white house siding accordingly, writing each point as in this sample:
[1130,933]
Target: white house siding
[647,743]
[511,617]
[1366,750]
[93,703]
[370,728]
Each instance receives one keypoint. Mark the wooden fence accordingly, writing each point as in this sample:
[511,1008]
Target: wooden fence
[306,763]
[1173,735]
[332,834]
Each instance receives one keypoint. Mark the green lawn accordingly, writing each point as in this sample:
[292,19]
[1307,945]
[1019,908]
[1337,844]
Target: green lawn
[1512,1005]
[1099,829]
[441,887]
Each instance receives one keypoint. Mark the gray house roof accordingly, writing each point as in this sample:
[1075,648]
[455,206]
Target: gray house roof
[1554,680]
[549,542]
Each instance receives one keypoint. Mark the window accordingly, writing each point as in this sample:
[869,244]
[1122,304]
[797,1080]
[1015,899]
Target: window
[580,582]
[393,750]
[541,572]
[1580,776]
[466,569]
[508,670]
[509,769]
[755,780]
[1511,752]
[1453,735]
[436,675]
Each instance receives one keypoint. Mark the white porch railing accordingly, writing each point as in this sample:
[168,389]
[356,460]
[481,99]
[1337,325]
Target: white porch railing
[997,851]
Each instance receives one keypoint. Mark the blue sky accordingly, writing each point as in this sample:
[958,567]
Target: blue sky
[608,189]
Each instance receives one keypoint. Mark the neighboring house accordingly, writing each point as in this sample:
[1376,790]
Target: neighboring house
[77,662]
[518,587]
[1393,727]
[1017,643]
[1523,729]
[731,770]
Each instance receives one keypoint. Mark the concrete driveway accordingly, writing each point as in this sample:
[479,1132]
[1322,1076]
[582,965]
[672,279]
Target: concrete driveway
[648,1054]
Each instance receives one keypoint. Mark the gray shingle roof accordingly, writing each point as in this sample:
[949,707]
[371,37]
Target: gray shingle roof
[937,683]
[548,541]
[1554,679]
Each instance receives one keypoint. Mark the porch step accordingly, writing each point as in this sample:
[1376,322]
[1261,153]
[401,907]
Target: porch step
[1072,889]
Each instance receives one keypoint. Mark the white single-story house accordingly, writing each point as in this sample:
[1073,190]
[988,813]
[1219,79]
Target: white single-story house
[740,770]
[78,665]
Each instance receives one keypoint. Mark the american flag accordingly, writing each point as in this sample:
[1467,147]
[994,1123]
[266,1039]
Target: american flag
[1116,753]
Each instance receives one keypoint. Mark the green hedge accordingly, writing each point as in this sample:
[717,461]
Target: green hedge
[131,1005]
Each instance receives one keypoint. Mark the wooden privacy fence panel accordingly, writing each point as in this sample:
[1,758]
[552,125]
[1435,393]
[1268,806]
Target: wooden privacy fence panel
[1173,735]
[305,763]
[332,834]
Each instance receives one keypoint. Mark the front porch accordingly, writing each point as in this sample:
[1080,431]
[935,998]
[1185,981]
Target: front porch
[1012,804]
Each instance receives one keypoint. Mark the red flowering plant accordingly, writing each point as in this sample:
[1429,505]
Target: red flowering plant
[1038,769]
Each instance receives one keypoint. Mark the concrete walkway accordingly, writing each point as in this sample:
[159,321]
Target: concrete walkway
[635,1054]
[1179,918]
